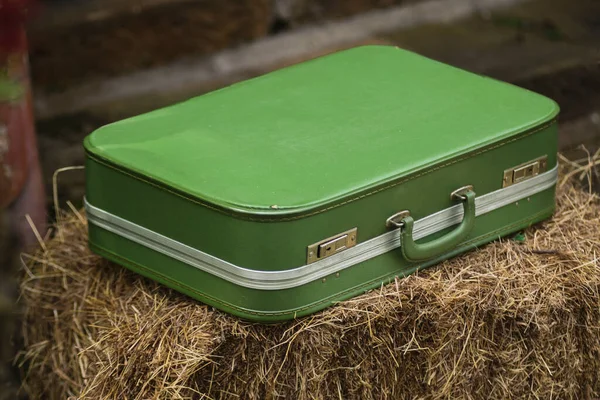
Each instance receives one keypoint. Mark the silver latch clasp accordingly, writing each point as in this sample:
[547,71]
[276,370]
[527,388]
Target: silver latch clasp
[524,171]
[330,246]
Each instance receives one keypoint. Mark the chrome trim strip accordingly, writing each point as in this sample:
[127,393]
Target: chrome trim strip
[276,280]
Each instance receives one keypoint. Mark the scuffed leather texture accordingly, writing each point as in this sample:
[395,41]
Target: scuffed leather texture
[323,132]
[414,252]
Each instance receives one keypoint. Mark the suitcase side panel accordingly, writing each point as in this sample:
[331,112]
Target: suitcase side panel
[280,245]
[272,306]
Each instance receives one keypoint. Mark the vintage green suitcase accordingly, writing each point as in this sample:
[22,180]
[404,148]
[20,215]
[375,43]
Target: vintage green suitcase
[282,195]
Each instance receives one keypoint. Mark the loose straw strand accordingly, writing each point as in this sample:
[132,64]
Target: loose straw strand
[55,189]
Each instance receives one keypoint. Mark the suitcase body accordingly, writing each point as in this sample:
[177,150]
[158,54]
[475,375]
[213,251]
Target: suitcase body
[279,196]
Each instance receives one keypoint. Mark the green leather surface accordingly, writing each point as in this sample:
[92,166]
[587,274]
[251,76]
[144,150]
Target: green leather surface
[434,248]
[322,132]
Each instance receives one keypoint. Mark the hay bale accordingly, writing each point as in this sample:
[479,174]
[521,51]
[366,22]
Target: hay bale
[510,320]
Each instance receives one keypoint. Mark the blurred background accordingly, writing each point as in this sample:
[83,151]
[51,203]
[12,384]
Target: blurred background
[70,66]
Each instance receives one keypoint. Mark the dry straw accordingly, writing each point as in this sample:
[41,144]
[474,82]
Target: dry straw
[510,320]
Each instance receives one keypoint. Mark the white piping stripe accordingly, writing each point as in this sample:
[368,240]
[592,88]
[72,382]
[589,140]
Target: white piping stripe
[275,280]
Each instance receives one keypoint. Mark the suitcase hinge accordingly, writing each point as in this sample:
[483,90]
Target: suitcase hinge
[330,246]
[525,171]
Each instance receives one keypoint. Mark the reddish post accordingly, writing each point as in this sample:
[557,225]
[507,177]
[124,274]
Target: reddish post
[21,184]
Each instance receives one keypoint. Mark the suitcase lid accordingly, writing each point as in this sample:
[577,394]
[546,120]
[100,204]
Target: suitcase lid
[319,133]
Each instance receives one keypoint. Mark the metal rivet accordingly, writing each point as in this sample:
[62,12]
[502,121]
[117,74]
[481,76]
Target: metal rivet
[337,275]
[528,199]
[324,280]
[352,238]
[517,204]
[274,206]
[311,253]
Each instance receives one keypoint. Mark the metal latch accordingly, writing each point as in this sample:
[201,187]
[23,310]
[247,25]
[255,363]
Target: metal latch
[524,171]
[330,246]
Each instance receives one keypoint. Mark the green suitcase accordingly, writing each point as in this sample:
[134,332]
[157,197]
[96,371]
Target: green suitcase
[282,195]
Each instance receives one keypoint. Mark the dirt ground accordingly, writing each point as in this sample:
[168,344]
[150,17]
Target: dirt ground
[8,314]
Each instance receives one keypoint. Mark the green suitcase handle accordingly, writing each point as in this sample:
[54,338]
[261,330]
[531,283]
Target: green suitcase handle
[418,252]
